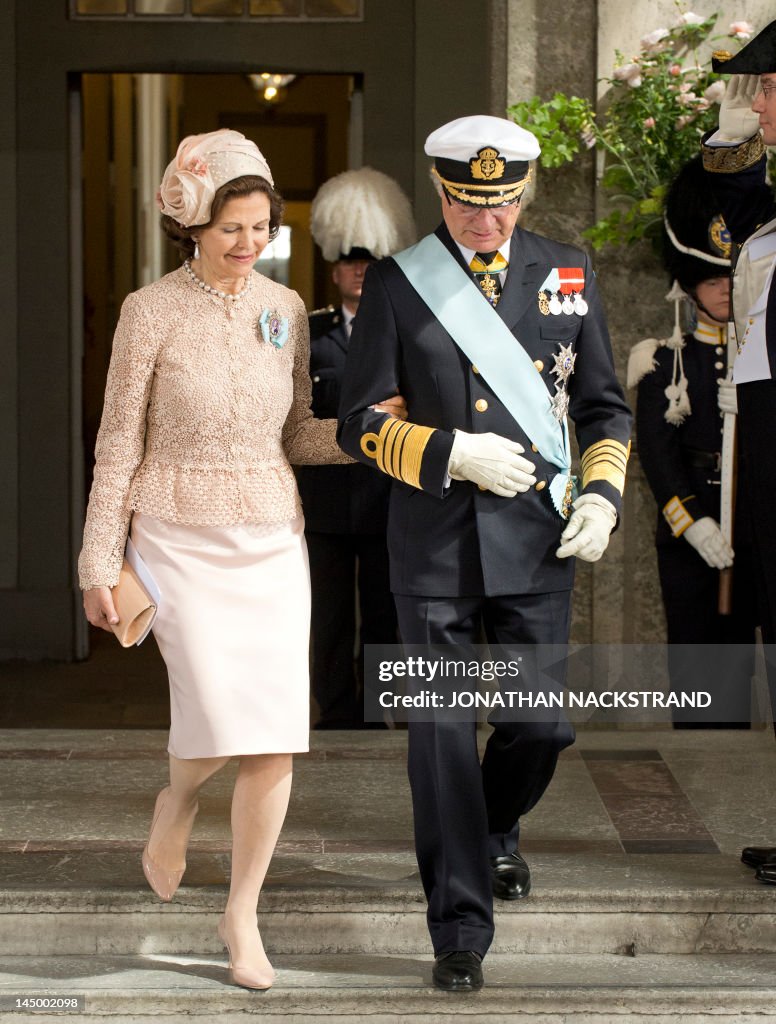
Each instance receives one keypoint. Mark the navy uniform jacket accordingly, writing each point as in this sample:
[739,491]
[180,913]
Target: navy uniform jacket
[337,499]
[670,453]
[458,540]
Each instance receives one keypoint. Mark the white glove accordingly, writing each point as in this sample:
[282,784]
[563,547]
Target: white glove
[492,461]
[706,537]
[737,120]
[726,397]
[587,531]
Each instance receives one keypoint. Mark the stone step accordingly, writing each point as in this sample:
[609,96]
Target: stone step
[539,989]
[612,904]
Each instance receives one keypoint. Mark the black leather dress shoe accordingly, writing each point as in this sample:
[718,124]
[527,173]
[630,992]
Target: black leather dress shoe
[754,856]
[767,872]
[460,971]
[510,877]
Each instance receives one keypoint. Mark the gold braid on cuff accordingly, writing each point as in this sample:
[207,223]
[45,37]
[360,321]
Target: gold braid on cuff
[398,449]
[606,460]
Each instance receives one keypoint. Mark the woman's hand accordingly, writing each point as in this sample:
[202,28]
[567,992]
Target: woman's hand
[99,608]
[395,406]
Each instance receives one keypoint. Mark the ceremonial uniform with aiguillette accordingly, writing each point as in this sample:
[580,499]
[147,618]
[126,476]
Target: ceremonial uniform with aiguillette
[679,430]
[734,158]
[463,557]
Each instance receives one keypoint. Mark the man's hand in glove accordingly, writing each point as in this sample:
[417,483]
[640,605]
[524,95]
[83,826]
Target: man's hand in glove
[706,537]
[492,461]
[587,532]
[737,120]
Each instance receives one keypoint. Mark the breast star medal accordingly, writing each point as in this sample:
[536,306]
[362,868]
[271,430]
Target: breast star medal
[564,364]
[560,403]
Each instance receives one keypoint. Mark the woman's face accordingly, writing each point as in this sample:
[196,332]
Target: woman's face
[714,295]
[230,246]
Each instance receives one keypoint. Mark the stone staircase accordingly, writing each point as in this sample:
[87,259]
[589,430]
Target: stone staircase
[655,947]
[606,937]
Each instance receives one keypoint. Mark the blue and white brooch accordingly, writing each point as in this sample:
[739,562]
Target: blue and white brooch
[274,327]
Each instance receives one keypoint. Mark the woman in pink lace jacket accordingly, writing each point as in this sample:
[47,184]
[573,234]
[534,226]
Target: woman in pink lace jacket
[207,404]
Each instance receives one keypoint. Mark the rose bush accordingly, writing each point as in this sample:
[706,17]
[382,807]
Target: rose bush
[657,105]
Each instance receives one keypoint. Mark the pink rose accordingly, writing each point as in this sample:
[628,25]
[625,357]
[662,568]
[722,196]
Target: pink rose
[653,40]
[741,29]
[675,70]
[690,19]
[648,122]
[628,73]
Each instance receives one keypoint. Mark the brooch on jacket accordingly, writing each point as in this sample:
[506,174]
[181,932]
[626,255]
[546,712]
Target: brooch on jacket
[565,286]
[273,327]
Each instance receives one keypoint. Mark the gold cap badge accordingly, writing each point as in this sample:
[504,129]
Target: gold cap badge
[722,55]
[720,239]
[487,165]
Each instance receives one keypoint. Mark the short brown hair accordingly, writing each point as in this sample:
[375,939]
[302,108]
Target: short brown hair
[182,238]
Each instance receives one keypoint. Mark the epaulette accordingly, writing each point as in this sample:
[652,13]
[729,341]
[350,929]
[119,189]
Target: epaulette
[322,310]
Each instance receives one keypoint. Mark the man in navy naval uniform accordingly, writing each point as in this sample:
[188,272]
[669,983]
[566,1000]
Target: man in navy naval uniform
[734,158]
[492,334]
[356,217]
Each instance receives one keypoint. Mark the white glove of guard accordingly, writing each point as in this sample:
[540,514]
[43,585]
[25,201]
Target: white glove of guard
[492,461]
[726,397]
[737,121]
[587,531]
[706,537]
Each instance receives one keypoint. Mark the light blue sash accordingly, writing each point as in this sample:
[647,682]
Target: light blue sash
[477,329]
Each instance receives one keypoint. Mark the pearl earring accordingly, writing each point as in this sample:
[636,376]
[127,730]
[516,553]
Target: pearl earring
[196,249]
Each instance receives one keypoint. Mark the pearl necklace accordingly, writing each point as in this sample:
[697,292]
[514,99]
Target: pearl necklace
[229,296]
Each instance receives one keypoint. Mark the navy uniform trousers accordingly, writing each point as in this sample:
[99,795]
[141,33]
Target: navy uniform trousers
[465,812]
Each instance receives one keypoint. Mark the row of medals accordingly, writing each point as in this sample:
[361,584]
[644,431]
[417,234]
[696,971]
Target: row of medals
[555,306]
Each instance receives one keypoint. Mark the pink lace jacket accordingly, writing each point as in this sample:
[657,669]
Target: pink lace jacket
[202,416]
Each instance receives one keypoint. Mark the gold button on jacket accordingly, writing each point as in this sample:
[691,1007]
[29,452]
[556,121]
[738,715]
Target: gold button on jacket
[539,365]
[480,405]
[540,485]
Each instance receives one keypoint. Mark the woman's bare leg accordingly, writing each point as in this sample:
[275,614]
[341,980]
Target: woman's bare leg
[259,807]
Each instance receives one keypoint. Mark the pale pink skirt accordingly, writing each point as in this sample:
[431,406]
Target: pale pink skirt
[233,628]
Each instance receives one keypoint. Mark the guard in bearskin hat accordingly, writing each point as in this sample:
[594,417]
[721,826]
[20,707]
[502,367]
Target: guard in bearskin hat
[680,380]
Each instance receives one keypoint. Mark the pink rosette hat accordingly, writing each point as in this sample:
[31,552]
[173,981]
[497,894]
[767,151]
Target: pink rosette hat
[201,166]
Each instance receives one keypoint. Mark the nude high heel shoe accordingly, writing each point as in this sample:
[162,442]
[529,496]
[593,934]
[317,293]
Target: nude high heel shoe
[163,881]
[257,979]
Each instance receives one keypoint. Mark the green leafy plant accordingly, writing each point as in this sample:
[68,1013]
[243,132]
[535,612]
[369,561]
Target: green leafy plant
[656,107]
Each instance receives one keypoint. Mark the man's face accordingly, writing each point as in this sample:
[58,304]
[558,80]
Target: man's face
[482,228]
[713,295]
[348,275]
[765,105]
